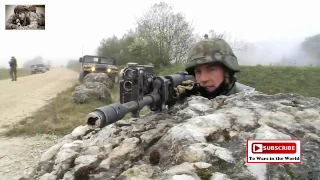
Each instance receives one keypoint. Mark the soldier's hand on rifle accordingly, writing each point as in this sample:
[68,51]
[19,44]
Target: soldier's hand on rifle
[185,86]
[18,22]
[13,26]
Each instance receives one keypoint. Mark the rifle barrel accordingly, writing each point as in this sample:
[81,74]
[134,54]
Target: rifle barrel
[109,114]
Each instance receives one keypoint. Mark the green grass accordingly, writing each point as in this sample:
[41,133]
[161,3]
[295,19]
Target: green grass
[4,73]
[170,70]
[273,79]
[61,115]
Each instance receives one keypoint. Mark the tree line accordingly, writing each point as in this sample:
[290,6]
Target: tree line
[311,46]
[36,60]
[160,37]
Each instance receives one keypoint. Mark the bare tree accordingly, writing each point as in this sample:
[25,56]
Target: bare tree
[163,36]
[235,44]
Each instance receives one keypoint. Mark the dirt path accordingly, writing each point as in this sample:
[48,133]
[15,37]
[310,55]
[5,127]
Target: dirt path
[19,99]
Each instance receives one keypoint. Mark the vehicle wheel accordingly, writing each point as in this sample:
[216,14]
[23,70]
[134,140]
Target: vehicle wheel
[81,76]
[116,79]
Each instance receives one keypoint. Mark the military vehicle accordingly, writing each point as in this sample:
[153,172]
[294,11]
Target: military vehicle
[36,68]
[99,64]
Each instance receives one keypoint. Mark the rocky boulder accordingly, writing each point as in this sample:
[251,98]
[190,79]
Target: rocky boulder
[199,139]
[91,91]
[99,77]
[96,87]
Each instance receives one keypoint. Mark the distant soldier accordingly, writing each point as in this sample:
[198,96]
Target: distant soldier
[13,68]
[25,17]
[206,36]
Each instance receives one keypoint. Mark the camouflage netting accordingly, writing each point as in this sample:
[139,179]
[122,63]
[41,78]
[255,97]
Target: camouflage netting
[200,139]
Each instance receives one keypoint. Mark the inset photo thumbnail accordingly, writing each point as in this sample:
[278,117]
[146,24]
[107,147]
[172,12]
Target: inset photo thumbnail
[25,17]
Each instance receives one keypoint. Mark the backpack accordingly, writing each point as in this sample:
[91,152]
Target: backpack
[31,8]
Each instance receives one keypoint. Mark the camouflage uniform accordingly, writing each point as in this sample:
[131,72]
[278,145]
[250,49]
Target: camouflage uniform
[32,19]
[13,68]
[206,51]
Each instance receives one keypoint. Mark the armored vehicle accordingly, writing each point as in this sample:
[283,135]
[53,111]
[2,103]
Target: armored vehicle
[37,68]
[99,64]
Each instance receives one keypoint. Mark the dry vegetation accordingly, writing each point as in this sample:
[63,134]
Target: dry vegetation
[4,73]
[61,115]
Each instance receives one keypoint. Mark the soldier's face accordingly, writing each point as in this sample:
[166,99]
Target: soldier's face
[209,76]
[21,16]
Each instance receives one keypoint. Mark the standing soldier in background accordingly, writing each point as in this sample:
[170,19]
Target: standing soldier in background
[13,68]
[25,17]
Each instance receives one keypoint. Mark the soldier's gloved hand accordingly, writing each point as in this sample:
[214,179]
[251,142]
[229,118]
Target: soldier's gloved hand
[185,86]
[13,26]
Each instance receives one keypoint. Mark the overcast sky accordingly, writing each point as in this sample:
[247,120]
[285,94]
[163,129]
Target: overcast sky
[75,24]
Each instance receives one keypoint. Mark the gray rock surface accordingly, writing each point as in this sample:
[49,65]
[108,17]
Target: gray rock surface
[96,87]
[91,91]
[98,77]
[199,139]
[23,153]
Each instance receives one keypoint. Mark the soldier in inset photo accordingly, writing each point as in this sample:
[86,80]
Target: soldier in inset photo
[25,17]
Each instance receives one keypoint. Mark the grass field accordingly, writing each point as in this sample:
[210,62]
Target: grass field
[4,73]
[61,116]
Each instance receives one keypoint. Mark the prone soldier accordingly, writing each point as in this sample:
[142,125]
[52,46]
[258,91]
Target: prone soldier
[211,66]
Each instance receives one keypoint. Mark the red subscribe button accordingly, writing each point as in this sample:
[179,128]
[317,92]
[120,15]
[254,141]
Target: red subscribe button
[274,148]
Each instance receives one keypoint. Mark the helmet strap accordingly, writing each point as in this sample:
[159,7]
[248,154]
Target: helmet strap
[229,80]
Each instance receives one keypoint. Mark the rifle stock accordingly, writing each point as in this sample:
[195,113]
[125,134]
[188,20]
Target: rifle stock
[139,88]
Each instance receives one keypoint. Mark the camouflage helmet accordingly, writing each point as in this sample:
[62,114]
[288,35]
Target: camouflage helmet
[211,50]
[20,8]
